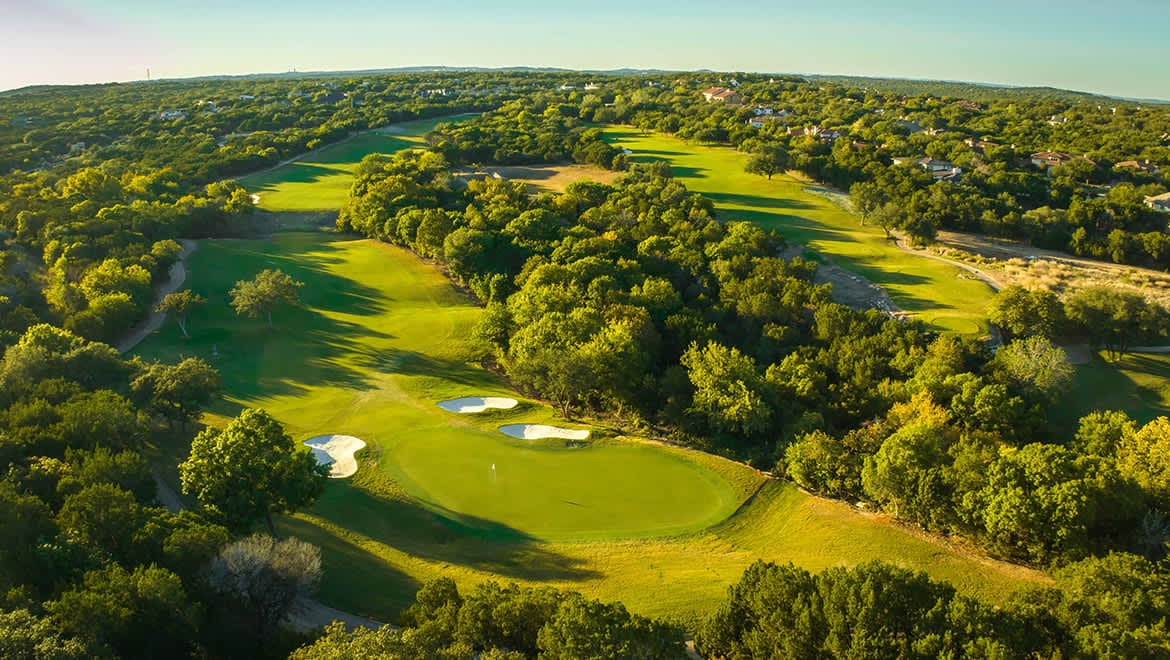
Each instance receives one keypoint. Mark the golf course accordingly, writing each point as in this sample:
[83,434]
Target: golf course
[935,292]
[382,338]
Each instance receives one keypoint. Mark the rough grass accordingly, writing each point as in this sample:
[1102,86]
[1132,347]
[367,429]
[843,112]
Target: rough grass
[938,293]
[381,338]
[320,180]
[1138,384]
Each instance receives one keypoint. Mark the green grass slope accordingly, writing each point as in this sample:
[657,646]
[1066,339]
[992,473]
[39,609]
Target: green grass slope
[382,337]
[936,292]
[320,180]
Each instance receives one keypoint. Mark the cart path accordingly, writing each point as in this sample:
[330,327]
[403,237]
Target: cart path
[177,275]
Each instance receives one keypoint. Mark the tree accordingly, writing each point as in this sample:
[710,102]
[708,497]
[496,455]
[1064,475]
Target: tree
[261,294]
[1144,456]
[729,392]
[176,391]
[865,198]
[267,576]
[1035,365]
[767,160]
[1024,313]
[1115,319]
[180,304]
[251,469]
[889,216]
[139,613]
[24,636]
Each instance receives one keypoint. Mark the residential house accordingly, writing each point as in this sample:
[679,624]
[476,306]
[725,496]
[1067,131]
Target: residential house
[941,170]
[980,146]
[970,105]
[1047,160]
[1139,166]
[1159,202]
[761,121]
[330,98]
[721,95]
[170,115]
[761,111]
[592,86]
[247,97]
[1057,120]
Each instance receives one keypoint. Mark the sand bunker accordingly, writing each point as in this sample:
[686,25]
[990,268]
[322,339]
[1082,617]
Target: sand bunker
[538,431]
[477,404]
[336,451]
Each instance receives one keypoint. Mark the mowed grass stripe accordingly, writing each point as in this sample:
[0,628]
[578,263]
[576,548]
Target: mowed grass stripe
[936,292]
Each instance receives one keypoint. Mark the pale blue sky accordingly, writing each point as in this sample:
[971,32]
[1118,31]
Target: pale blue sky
[1119,47]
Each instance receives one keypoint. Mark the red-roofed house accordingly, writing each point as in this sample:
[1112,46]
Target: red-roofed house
[721,94]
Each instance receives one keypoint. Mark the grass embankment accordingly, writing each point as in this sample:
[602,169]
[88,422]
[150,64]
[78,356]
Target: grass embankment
[1138,384]
[320,180]
[382,337]
[938,293]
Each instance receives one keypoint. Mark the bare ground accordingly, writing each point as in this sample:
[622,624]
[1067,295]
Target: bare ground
[549,177]
[849,289]
[1010,262]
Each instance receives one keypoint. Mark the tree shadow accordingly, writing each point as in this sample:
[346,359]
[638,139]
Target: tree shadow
[349,571]
[298,172]
[413,363]
[307,345]
[757,201]
[435,533]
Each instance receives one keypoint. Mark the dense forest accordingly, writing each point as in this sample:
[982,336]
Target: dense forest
[630,300]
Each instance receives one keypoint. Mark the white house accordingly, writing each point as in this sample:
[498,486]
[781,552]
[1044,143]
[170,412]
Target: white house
[1159,202]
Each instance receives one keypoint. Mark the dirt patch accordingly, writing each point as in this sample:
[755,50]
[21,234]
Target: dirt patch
[1010,262]
[543,178]
[849,289]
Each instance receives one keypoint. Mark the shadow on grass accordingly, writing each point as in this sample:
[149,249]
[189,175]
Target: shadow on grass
[438,534]
[758,201]
[354,579]
[413,363]
[348,153]
[298,172]
[306,347]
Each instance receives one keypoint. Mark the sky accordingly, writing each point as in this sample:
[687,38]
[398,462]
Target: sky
[1115,47]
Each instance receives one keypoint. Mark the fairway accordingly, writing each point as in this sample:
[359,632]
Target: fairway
[937,293]
[1138,384]
[382,338]
[320,180]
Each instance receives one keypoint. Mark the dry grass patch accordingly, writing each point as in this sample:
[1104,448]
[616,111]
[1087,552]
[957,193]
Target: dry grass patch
[543,178]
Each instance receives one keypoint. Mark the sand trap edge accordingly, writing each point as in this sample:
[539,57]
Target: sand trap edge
[336,451]
[540,431]
[477,404]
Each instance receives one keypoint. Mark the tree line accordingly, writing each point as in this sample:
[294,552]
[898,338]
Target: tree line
[633,300]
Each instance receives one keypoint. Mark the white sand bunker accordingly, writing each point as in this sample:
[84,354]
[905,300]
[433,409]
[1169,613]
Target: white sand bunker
[538,431]
[477,404]
[337,451]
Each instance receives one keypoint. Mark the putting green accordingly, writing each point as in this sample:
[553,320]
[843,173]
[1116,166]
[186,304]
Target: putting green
[936,292]
[382,339]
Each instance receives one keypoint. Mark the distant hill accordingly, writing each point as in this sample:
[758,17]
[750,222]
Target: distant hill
[972,91]
[979,92]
